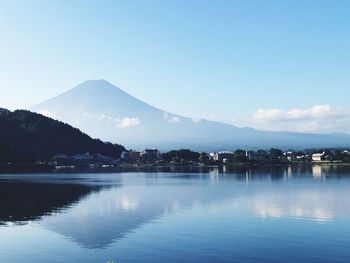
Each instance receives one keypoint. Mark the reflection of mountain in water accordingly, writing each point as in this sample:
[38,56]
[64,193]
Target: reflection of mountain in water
[22,202]
[110,213]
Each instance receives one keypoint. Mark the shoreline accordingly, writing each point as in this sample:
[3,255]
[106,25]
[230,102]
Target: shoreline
[151,168]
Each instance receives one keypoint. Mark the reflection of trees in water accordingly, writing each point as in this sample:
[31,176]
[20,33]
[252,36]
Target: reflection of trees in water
[283,172]
[21,202]
[336,170]
[258,171]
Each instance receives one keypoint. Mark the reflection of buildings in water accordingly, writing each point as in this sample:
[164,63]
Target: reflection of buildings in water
[127,204]
[289,172]
[248,175]
[317,171]
[225,169]
[215,177]
[214,171]
[321,170]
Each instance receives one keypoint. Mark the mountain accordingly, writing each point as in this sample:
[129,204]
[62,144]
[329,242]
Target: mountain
[106,112]
[26,136]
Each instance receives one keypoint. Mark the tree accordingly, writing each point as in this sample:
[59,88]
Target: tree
[276,154]
[203,158]
[185,154]
[338,155]
[239,156]
[31,136]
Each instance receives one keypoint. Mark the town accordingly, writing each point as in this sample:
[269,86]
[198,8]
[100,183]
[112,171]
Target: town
[185,157]
[152,157]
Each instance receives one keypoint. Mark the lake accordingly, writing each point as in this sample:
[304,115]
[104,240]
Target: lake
[291,214]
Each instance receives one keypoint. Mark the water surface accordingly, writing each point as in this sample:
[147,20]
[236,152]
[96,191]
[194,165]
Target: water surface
[263,215]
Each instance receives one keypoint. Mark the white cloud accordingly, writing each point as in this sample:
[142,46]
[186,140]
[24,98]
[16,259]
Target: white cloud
[102,117]
[127,122]
[120,122]
[174,119]
[212,117]
[319,118]
[171,118]
[316,112]
[165,115]
[196,120]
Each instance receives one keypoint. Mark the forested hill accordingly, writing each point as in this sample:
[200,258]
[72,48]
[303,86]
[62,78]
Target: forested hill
[25,136]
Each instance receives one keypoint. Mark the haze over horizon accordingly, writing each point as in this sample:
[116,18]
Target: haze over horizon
[269,65]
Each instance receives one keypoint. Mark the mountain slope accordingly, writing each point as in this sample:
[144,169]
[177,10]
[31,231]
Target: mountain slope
[30,136]
[105,111]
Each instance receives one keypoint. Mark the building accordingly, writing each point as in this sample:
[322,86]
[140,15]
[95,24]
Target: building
[257,155]
[84,157]
[150,154]
[318,157]
[87,159]
[60,159]
[124,155]
[134,156]
[223,155]
[290,155]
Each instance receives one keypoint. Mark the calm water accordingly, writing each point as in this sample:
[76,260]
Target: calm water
[270,215]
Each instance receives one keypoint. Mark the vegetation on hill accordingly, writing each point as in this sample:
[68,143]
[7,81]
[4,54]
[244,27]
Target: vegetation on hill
[28,136]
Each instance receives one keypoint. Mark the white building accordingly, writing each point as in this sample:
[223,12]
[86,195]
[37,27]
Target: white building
[220,156]
[318,157]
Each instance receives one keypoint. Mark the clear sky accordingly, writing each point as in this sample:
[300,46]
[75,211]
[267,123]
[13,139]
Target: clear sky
[267,64]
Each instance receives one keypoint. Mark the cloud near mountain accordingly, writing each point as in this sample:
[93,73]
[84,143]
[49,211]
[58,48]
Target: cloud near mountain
[124,122]
[319,118]
[127,122]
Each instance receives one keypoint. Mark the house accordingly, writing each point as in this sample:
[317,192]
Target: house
[59,157]
[223,155]
[260,155]
[124,155]
[134,156]
[84,157]
[150,154]
[318,157]
[290,155]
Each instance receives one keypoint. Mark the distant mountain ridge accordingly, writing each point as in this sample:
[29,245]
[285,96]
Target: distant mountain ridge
[26,136]
[104,111]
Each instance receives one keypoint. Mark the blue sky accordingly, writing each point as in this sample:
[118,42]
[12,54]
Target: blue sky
[267,64]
